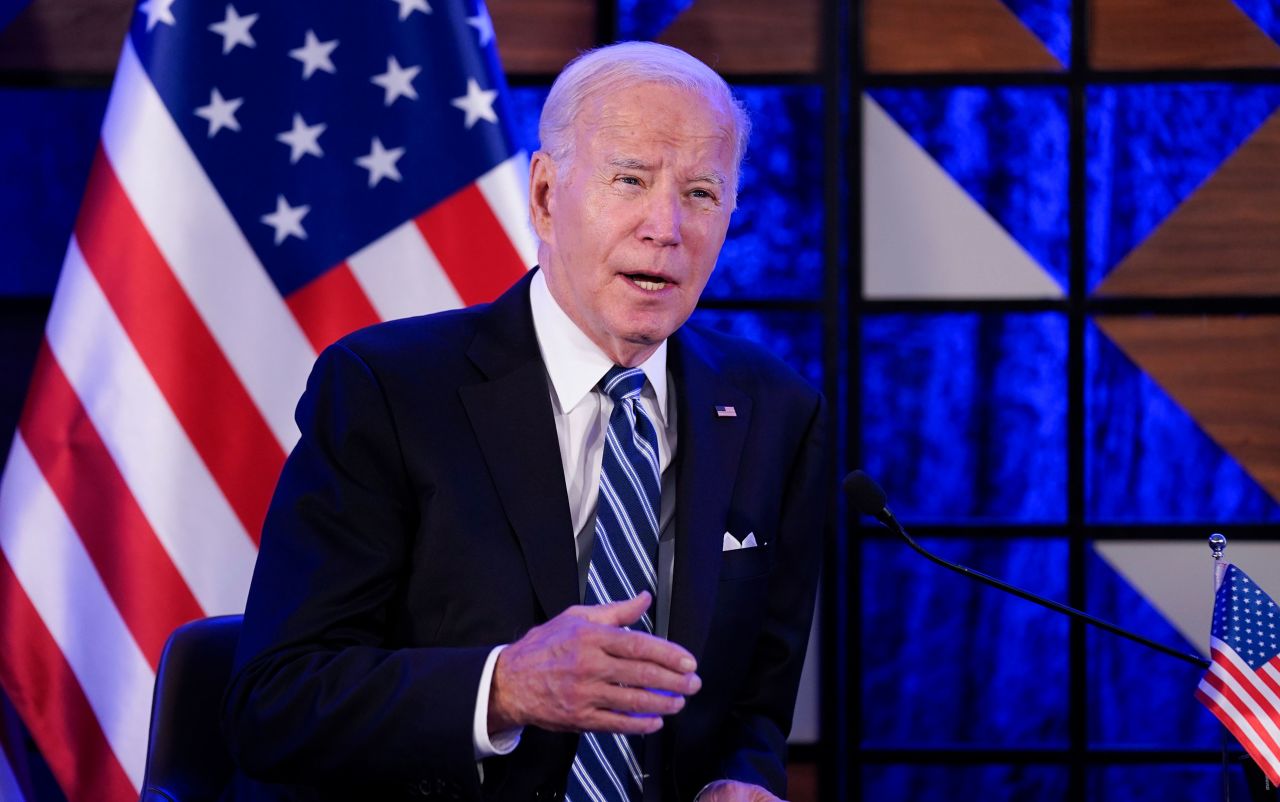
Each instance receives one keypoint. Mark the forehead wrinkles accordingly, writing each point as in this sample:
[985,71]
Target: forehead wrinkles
[654,111]
[639,123]
[645,146]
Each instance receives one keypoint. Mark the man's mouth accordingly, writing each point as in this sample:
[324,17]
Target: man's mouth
[646,281]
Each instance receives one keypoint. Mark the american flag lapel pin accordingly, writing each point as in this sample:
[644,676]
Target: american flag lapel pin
[723,411]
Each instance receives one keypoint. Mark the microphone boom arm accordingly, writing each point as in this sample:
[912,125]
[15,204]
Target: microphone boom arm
[885,517]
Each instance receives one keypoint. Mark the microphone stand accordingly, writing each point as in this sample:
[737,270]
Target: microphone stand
[870,500]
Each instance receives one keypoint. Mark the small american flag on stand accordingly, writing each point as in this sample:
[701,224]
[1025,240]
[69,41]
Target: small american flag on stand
[271,175]
[1242,684]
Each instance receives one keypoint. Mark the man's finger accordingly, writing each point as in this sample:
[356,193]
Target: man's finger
[619,614]
[638,674]
[733,791]
[632,645]
[639,701]
[609,721]
[628,645]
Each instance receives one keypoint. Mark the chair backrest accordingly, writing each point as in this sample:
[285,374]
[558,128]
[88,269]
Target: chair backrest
[187,759]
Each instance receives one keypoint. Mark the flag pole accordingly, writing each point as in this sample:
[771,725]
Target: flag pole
[1218,545]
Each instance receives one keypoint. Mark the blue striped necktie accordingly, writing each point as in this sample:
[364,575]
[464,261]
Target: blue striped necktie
[606,768]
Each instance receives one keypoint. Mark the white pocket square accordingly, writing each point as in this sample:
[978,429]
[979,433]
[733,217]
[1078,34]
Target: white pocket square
[731,543]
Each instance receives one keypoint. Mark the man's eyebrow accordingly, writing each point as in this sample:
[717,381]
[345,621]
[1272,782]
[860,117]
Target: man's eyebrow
[710,178]
[631,163]
[626,163]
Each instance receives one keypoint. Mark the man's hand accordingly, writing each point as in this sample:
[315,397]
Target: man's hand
[581,671]
[734,791]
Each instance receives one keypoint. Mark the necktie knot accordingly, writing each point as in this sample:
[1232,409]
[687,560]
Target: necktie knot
[622,383]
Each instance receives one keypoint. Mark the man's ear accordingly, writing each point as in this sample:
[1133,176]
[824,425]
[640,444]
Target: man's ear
[542,179]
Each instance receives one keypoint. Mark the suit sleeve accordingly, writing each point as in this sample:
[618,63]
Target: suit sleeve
[319,693]
[760,717]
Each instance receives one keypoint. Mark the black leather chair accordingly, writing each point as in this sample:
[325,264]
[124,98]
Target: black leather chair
[187,759]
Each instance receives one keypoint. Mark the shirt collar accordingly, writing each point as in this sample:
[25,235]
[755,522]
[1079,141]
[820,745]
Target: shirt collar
[574,363]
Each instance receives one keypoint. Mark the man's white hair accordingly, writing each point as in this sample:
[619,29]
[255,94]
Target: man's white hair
[610,69]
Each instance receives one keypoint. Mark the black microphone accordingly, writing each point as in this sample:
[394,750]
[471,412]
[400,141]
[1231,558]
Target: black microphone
[870,500]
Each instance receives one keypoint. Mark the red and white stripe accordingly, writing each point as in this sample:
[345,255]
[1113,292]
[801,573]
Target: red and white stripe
[160,412]
[1247,702]
[463,251]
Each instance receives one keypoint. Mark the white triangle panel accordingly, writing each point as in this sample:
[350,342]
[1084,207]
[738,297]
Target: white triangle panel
[1176,576]
[924,236]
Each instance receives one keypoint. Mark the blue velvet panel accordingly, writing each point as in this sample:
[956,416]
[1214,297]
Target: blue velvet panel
[1163,783]
[981,783]
[949,662]
[1008,148]
[1148,147]
[47,143]
[20,334]
[525,103]
[1050,20]
[1266,13]
[1146,459]
[774,246]
[964,415]
[793,337]
[1137,697]
[646,19]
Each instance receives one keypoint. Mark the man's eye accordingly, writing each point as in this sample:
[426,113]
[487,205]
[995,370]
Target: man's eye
[630,179]
[702,193]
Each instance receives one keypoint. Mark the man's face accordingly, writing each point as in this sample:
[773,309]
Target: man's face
[632,220]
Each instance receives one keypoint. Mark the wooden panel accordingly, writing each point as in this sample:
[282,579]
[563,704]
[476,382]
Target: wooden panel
[745,37]
[80,36]
[84,36]
[950,36]
[541,36]
[1224,371]
[1147,34]
[802,781]
[1223,240]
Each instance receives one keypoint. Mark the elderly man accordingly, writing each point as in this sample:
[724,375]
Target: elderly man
[560,546]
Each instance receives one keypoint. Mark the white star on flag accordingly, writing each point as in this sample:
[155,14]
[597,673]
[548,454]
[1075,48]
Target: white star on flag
[314,55]
[381,163]
[483,24]
[157,11]
[477,103]
[397,81]
[287,220]
[234,30]
[221,113]
[407,7]
[302,139]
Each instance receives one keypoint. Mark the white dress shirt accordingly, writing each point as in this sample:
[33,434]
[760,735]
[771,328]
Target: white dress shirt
[575,365]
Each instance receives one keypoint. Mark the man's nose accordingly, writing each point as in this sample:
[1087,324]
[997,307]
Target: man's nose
[663,216]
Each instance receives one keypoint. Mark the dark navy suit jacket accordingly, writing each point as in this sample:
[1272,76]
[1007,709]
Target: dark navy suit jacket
[422,519]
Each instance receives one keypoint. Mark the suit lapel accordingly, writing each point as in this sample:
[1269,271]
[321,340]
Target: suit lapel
[709,447]
[512,417]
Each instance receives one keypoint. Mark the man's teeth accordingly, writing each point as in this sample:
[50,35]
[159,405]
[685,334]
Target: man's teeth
[649,284]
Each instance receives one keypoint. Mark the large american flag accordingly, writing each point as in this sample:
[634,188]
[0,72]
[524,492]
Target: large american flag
[271,175]
[1242,685]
